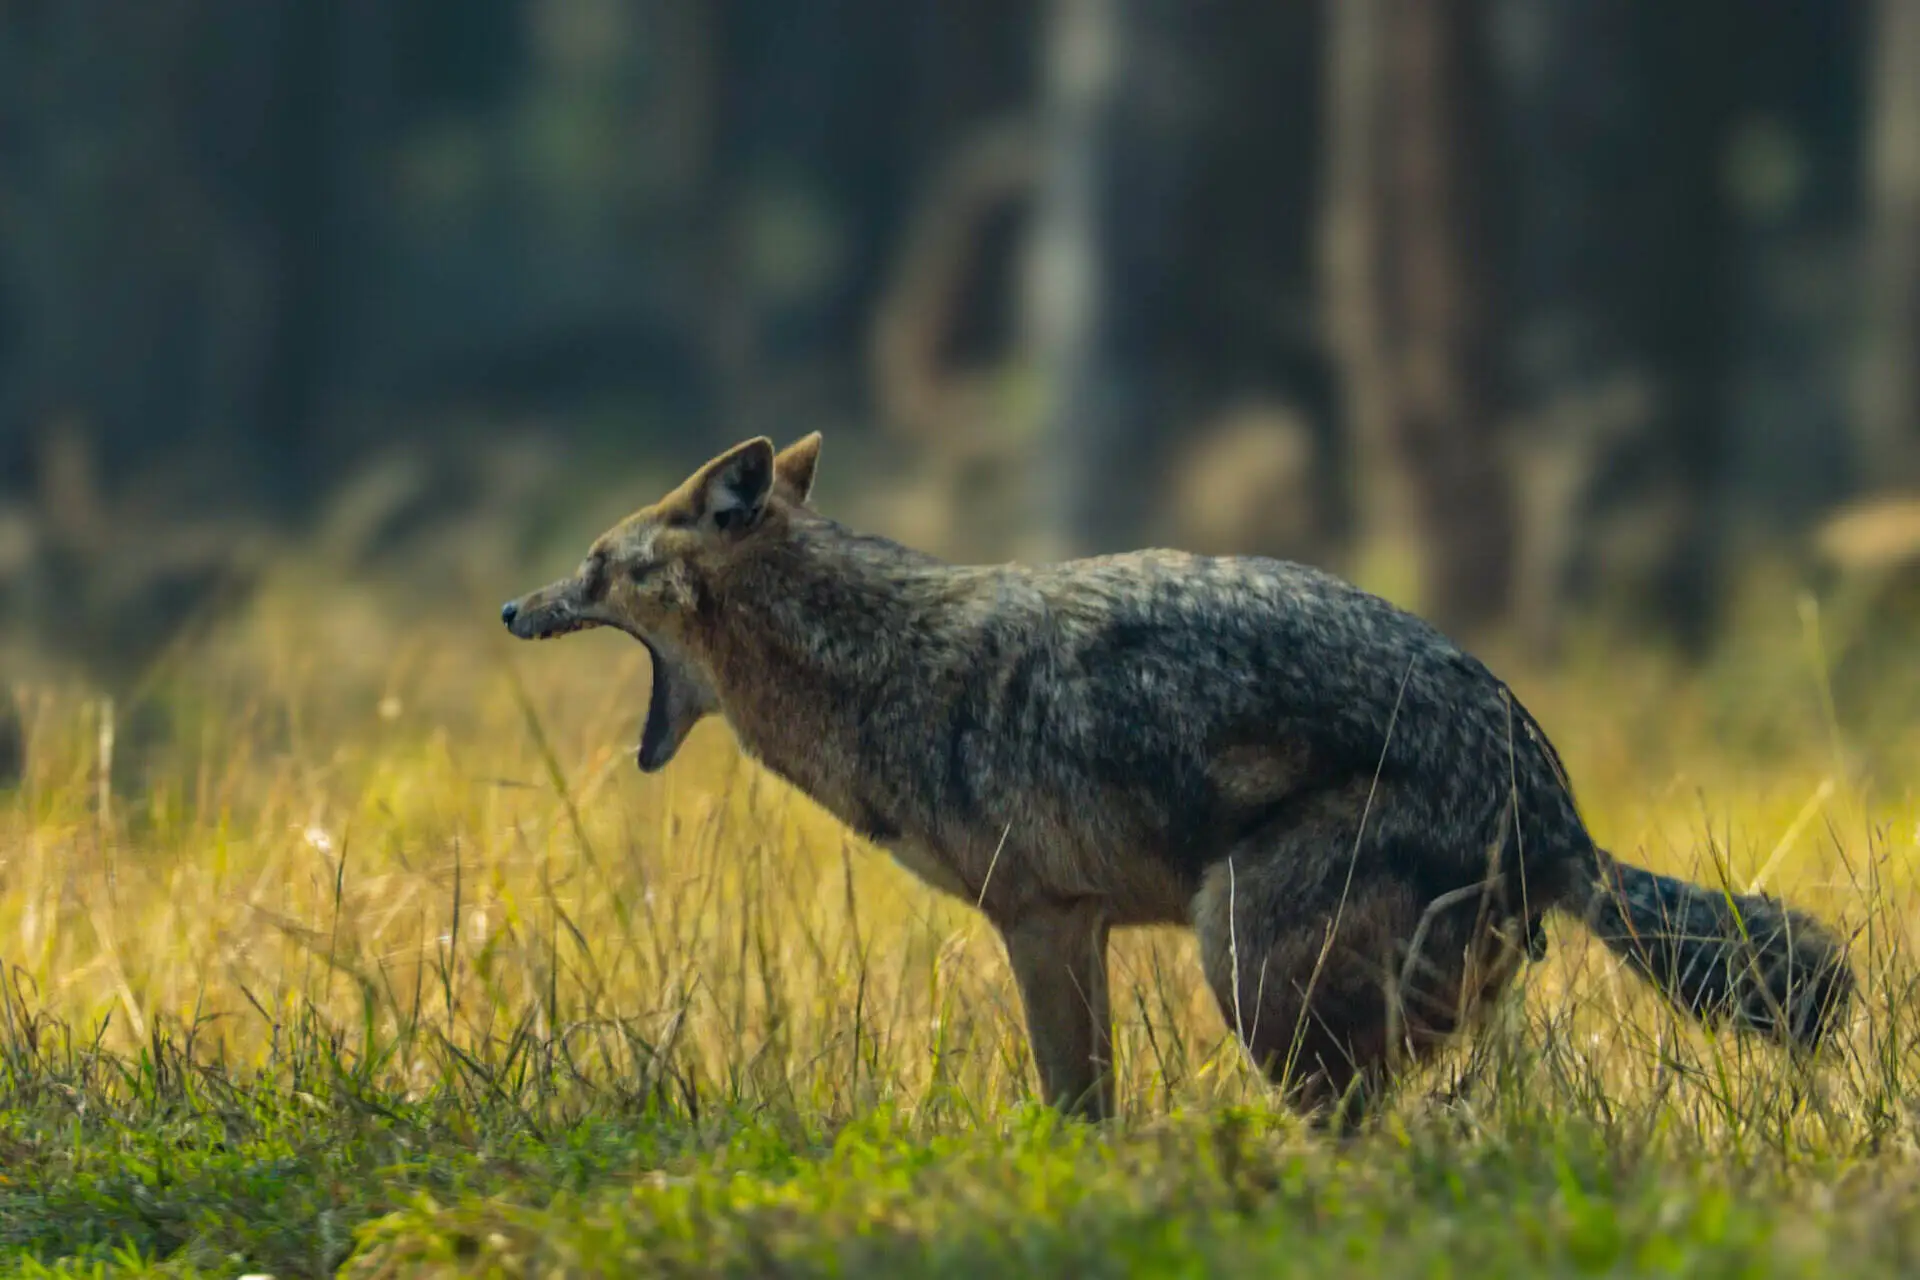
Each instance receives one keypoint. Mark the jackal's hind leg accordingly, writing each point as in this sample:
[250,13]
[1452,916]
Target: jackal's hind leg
[1059,959]
[1333,991]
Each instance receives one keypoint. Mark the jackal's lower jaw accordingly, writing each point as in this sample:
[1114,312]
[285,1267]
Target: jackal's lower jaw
[660,736]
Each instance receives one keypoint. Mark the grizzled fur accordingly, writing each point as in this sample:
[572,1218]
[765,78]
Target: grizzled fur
[1359,821]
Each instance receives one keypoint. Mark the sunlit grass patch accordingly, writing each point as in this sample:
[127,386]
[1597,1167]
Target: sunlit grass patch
[360,931]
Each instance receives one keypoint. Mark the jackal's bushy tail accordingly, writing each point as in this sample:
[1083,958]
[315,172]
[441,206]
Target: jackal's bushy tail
[1743,959]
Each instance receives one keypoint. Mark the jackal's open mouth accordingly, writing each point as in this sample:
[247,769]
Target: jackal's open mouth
[656,738]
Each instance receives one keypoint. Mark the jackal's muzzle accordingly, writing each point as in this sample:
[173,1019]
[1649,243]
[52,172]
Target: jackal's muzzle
[541,615]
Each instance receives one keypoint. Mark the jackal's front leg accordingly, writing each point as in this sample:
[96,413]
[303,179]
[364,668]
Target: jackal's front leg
[1059,958]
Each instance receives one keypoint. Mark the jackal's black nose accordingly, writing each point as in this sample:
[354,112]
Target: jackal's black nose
[509,611]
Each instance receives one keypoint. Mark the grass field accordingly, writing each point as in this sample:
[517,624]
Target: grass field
[354,942]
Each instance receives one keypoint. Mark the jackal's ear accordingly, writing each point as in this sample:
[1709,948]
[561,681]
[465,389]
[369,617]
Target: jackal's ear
[732,489]
[794,467]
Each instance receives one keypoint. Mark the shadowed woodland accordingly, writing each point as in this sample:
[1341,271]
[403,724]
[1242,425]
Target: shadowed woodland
[1586,302]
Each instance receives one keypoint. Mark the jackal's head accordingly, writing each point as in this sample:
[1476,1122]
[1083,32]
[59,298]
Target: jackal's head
[648,575]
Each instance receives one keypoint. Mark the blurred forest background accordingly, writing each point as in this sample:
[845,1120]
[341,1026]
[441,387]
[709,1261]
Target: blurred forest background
[1584,304]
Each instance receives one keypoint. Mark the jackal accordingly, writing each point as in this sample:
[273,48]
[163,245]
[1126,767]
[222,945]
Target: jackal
[1360,822]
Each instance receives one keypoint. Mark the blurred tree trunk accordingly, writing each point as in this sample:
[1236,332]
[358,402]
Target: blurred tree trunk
[1115,137]
[1620,116]
[1679,309]
[1889,432]
[107,244]
[320,209]
[1169,310]
[1412,285]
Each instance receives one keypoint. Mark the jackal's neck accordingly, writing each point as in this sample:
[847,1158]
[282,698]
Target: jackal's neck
[813,636]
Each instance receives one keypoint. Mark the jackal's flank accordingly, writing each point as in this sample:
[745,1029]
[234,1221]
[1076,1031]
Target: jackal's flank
[1359,821]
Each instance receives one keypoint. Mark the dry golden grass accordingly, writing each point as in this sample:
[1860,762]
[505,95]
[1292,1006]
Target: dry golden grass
[430,848]
[360,815]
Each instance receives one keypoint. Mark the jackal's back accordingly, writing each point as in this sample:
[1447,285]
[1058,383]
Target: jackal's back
[1155,704]
[1229,687]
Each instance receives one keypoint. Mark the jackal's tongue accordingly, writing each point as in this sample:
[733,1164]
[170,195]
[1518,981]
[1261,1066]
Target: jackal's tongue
[655,745]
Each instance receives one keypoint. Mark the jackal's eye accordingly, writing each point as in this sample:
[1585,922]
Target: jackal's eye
[641,571]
